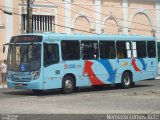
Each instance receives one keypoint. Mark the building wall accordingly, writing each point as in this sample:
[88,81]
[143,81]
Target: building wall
[83,19]
[111,11]
[2,29]
[85,16]
[142,17]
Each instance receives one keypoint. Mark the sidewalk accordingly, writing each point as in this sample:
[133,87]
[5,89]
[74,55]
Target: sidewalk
[157,78]
[4,86]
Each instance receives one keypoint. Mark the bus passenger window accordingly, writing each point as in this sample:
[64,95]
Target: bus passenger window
[123,49]
[139,49]
[120,54]
[70,50]
[107,49]
[151,49]
[89,50]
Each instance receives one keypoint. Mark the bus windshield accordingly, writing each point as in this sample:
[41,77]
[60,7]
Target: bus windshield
[24,57]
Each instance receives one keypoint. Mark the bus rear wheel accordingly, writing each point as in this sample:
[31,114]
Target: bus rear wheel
[68,85]
[126,80]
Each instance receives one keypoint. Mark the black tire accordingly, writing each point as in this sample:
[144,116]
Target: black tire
[126,80]
[38,91]
[68,85]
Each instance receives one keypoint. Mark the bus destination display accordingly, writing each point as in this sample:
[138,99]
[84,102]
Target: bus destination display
[27,38]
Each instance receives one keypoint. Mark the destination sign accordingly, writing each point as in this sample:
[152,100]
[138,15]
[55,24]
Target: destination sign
[26,38]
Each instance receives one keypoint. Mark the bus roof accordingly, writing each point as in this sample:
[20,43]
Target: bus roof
[62,36]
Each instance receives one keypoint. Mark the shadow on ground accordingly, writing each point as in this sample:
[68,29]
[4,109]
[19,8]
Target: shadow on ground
[58,91]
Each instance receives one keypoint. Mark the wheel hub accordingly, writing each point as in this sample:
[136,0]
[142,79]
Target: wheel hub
[127,81]
[68,84]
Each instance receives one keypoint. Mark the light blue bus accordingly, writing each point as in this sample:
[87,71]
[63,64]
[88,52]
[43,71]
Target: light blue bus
[52,60]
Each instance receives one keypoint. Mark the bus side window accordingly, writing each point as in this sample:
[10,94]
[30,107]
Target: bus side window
[107,49]
[139,49]
[120,53]
[89,50]
[123,49]
[70,50]
[51,54]
[151,49]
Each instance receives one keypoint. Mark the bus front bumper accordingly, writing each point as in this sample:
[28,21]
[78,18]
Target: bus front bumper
[36,84]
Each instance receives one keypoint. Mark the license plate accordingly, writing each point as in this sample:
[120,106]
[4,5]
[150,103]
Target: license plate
[19,85]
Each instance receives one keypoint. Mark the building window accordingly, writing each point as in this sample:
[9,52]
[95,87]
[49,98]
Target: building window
[40,22]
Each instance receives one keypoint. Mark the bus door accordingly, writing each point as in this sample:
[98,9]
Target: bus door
[152,59]
[51,70]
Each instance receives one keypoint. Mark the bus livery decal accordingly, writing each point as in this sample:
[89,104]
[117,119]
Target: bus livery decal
[109,69]
[143,63]
[123,64]
[136,68]
[71,66]
[93,78]
[135,65]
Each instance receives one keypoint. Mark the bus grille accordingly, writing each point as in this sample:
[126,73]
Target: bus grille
[21,79]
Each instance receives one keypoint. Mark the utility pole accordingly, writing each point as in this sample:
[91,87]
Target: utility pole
[29,17]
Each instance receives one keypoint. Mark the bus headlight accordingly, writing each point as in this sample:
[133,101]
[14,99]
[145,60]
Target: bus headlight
[35,75]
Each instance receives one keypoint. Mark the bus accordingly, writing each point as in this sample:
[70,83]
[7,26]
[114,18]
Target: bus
[44,61]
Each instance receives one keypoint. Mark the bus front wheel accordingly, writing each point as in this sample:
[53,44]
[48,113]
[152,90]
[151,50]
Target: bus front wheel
[67,84]
[126,80]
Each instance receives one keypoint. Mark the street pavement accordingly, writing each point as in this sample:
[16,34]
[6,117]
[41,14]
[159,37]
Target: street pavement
[144,98]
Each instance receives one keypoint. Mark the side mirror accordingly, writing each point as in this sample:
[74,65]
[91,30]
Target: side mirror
[4,49]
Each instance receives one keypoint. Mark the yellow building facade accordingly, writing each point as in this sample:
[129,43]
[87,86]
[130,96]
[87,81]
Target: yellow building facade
[141,17]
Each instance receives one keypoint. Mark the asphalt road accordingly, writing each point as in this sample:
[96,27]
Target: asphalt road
[144,98]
